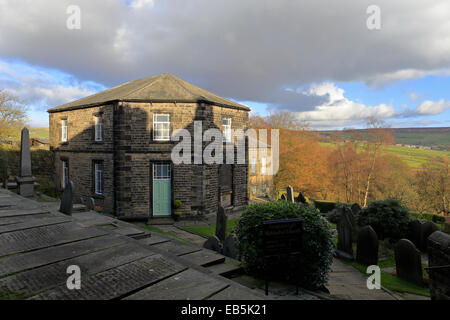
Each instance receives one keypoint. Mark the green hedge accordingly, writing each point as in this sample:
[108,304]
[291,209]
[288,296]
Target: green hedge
[325,206]
[311,267]
[429,217]
[389,218]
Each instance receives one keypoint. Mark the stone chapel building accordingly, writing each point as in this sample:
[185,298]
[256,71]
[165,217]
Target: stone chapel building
[115,146]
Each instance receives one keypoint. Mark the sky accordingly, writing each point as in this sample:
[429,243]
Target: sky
[334,64]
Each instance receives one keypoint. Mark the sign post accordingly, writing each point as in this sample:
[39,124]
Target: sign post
[281,238]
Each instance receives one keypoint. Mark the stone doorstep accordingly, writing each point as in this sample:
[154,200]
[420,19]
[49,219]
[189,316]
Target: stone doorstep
[160,221]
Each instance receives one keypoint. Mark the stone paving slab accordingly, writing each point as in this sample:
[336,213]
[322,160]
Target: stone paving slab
[34,259]
[154,239]
[39,279]
[187,285]
[204,257]
[175,247]
[20,219]
[32,223]
[118,282]
[43,237]
[21,212]
[235,293]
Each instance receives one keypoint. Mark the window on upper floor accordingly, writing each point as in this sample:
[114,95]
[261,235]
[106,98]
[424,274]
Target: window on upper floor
[226,129]
[252,166]
[161,127]
[263,166]
[64,130]
[98,129]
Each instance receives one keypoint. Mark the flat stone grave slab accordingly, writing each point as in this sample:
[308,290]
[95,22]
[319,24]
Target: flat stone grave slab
[43,237]
[118,282]
[204,257]
[175,247]
[235,292]
[154,239]
[128,231]
[34,259]
[227,268]
[30,282]
[20,219]
[21,212]
[32,223]
[187,285]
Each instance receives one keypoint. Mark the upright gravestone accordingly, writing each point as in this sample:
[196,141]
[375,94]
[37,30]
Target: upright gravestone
[230,247]
[5,173]
[415,232]
[439,265]
[213,243]
[25,181]
[408,262]
[221,224]
[301,198]
[283,197]
[427,229]
[290,194]
[90,204]
[356,209]
[67,199]
[345,236]
[367,246]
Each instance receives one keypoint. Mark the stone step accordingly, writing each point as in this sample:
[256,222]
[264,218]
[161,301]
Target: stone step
[78,207]
[160,221]
[226,269]
[204,258]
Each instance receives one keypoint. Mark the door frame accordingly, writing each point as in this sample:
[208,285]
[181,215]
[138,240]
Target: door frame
[151,166]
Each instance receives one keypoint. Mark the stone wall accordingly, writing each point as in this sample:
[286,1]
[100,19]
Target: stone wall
[439,255]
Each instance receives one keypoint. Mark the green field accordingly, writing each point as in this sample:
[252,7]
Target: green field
[39,132]
[412,156]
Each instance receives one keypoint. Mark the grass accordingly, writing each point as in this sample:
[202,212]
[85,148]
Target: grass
[209,231]
[167,234]
[392,282]
[39,132]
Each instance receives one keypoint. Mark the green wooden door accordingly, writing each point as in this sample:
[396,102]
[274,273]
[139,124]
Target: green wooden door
[161,190]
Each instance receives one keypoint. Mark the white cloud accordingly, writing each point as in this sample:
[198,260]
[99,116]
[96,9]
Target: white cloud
[340,111]
[137,4]
[429,107]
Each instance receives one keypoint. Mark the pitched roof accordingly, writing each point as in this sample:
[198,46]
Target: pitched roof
[160,88]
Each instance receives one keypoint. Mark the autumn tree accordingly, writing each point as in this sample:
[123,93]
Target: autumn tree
[12,117]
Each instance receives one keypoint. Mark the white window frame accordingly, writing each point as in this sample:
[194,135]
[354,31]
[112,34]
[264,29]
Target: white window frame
[65,173]
[165,173]
[253,165]
[98,178]
[263,165]
[226,129]
[64,130]
[155,125]
[98,129]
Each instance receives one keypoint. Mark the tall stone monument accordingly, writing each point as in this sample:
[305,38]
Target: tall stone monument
[25,181]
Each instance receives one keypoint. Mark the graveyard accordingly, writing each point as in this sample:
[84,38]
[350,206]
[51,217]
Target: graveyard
[276,250]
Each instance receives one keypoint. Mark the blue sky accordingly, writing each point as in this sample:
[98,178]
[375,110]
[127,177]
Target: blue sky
[319,61]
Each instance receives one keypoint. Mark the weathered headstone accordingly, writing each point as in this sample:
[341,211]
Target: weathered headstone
[290,194]
[345,235]
[25,181]
[67,199]
[213,243]
[5,173]
[427,229]
[283,197]
[301,198]
[221,224]
[349,213]
[415,232]
[367,246]
[90,204]
[356,209]
[230,247]
[408,262]
[439,265]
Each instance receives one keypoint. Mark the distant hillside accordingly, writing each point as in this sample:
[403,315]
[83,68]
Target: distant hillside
[430,137]
[39,132]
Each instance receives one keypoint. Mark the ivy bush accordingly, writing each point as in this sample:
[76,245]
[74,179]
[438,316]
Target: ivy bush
[311,267]
[389,218]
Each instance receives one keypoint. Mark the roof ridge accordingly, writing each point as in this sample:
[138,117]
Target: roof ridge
[181,83]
